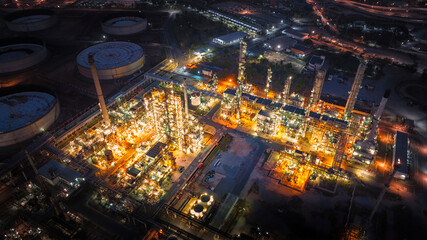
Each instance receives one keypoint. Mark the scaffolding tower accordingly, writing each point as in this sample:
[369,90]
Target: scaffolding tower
[317,89]
[355,89]
[340,150]
[267,85]
[241,79]
[214,82]
[286,89]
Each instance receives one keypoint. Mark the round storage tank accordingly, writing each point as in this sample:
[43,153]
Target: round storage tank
[31,20]
[113,60]
[17,54]
[195,98]
[124,25]
[26,114]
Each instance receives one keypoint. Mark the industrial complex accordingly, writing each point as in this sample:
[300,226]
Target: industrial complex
[129,120]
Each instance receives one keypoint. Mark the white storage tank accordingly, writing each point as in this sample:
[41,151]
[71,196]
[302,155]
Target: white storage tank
[26,114]
[196,98]
[31,20]
[124,25]
[113,60]
[17,54]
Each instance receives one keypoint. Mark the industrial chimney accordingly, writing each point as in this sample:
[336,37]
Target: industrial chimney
[381,107]
[377,115]
[99,90]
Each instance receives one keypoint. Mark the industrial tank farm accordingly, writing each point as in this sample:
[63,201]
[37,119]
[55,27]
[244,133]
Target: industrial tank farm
[113,60]
[17,54]
[26,114]
[31,20]
[124,25]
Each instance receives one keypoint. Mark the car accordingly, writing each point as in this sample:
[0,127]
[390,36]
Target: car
[181,169]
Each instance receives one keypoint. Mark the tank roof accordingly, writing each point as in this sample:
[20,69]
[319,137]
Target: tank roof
[19,109]
[110,55]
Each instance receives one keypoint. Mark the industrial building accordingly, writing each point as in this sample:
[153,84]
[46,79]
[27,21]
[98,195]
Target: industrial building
[400,155]
[333,132]
[165,110]
[316,63]
[113,60]
[58,174]
[301,50]
[251,27]
[230,38]
[300,36]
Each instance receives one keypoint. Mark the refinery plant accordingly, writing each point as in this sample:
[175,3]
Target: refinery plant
[163,120]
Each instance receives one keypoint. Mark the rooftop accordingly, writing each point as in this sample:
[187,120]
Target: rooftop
[54,169]
[232,36]
[155,150]
[401,151]
[111,55]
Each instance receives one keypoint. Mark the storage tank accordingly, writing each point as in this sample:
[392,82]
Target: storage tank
[25,114]
[124,25]
[195,98]
[113,60]
[31,20]
[17,54]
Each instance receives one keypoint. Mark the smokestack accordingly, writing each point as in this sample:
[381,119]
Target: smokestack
[99,90]
[377,115]
[185,97]
[381,107]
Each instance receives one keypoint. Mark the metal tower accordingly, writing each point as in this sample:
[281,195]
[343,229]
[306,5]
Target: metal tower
[99,90]
[240,78]
[184,82]
[286,88]
[355,89]
[214,82]
[267,86]
[317,89]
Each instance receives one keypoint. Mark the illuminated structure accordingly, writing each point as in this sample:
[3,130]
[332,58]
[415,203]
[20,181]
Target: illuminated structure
[286,89]
[165,112]
[267,122]
[364,150]
[184,85]
[201,206]
[99,91]
[317,89]
[241,78]
[267,85]
[214,82]
[355,89]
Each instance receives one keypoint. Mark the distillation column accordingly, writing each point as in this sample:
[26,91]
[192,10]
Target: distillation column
[184,82]
[99,91]
[286,89]
[214,82]
[317,89]
[355,89]
[267,86]
[240,78]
